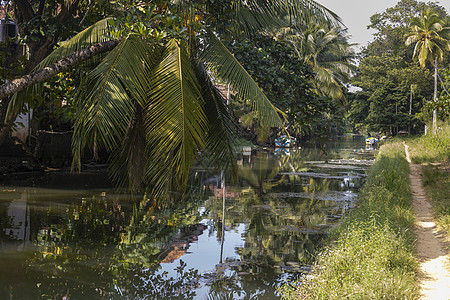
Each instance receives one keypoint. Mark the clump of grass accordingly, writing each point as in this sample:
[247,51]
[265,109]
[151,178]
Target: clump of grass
[372,256]
[437,185]
[431,148]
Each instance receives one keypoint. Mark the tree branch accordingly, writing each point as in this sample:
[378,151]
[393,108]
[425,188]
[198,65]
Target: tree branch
[440,79]
[87,12]
[62,65]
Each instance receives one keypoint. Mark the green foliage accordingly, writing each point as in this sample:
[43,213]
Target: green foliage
[150,103]
[388,73]
[428,36]
[327,51]
[358,110]
[390,84]
[288,83]
[53,19]
[388,107]
[391,26]
[54,107]
[372,257]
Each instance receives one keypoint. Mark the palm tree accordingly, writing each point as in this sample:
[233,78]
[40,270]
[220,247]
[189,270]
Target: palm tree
[150,101]
[430,44]
[330,55]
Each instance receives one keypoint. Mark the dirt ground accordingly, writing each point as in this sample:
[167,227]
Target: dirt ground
[432,251]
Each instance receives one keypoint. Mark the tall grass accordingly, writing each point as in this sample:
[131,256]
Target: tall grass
[372,253]
[436,177]
[437,185]
[431,148]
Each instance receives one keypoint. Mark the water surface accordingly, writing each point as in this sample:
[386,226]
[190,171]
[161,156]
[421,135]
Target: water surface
[84,241]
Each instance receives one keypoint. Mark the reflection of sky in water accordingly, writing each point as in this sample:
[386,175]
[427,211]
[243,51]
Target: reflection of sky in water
[204,254]
[205,258]
[283,207]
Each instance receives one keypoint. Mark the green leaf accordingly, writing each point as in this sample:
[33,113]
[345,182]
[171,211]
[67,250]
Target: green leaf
[222,63]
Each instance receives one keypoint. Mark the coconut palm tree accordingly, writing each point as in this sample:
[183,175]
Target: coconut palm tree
[150,100]
[430,44]
[330,55]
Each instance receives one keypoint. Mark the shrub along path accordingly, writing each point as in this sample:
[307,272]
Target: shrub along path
[434,268]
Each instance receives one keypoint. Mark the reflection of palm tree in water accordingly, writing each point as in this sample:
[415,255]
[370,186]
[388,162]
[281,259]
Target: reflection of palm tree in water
[260,174]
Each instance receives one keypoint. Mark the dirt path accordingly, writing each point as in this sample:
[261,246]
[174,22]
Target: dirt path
[434,266]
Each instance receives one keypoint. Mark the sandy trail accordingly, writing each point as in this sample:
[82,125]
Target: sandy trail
[434,269]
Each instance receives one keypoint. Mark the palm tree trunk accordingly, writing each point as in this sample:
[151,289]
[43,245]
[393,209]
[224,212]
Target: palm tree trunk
[410,109]
[435,96]
[62,65]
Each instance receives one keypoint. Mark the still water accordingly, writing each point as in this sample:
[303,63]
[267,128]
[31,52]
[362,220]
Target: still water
[60,240]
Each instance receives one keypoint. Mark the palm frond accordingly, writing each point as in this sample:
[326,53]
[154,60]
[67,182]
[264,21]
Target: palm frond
[251,20]
[95,33]
[91,35]
[176,124]
[105,108]
[264,14]
[222,63]
[222,128]
[127,166]
[426,32]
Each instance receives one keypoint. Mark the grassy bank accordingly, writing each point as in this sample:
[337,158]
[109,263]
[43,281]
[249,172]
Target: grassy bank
[431,148]
[372,253]
[434,151]
[436,181]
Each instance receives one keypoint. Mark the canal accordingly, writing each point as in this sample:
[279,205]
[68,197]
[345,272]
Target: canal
[234,237]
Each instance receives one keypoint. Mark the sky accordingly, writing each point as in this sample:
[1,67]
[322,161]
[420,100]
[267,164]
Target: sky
[356,14]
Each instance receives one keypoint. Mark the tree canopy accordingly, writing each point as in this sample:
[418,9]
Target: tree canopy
[150,100]
[395,87]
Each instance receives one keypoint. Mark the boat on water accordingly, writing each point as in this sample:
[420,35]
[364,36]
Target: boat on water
[285,142]
[371,141]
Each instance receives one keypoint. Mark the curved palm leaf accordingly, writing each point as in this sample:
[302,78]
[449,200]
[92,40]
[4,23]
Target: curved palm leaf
[268,14]
[106,107]
[222,128]
[222,63]
[176,124]
[94,34]
[91,35]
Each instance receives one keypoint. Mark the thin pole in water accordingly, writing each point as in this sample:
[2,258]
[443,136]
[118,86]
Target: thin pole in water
[223,217]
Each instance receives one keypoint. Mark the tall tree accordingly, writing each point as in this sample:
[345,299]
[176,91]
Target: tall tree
[150,101]
[42,24]
[330,55]
[388,57]
[430,44]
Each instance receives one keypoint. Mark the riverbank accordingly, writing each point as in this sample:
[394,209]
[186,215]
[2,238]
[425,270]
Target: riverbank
[434,278]
[430,184]
[372,256]
[433,154]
